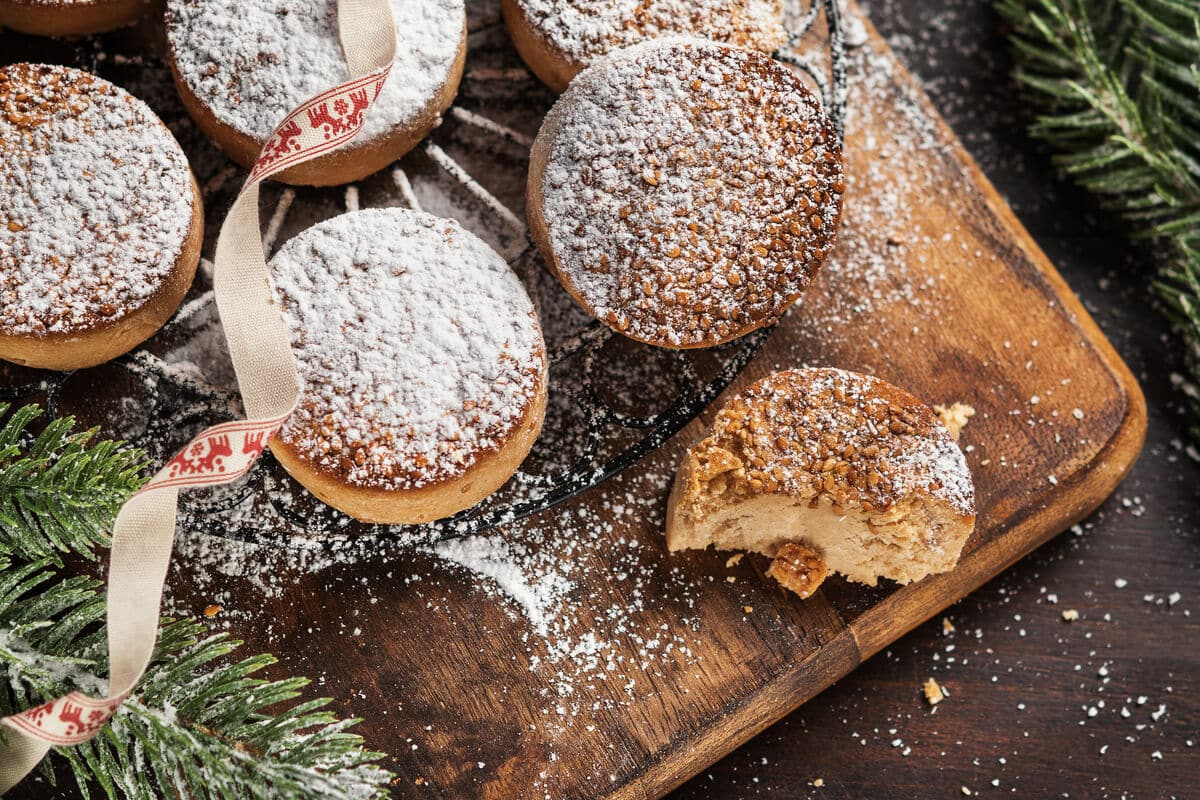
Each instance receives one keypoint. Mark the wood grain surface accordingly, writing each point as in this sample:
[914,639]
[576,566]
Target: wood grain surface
[936,287]
[1104,707]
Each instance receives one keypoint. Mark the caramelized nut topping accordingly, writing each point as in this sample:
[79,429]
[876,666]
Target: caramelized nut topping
[798,568]
[850,440]
[696,152]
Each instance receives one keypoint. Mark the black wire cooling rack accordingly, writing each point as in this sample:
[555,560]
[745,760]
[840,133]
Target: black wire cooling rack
[612,400]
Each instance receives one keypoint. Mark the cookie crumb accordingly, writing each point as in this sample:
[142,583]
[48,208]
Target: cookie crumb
[947,626]
[955,417]
[933,692]
[798,568]
[212,610]
[733,560]
[819,782]
[748,609]
[1070,615]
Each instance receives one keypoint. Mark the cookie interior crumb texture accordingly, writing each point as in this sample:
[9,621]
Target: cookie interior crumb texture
[955,417]
[852,468]
[798,568]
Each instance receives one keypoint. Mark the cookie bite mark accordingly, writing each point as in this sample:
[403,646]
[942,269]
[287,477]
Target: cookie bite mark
[823,469]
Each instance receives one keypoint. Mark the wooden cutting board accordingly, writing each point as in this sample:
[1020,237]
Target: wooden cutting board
[935,287]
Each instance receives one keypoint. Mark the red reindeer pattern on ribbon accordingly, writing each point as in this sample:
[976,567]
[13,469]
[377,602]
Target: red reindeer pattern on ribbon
[220,454]
[201,456]
[68,720]
[283,141]
[347,114]
[321,124]
[212,454]
[254,443]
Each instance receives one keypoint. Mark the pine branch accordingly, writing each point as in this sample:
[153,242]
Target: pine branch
[198,726]
[60,491]
[1117,83]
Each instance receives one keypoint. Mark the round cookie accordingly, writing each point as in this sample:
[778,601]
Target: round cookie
[827,469]
[101,224]
[685,192]
[242,65]
[69,17]
[421,361]
[558,38]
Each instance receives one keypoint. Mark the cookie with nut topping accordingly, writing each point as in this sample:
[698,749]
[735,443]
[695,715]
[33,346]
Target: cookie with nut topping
[826,470]
[242,66]
[70,17]
[685,192]
[558,38]
[100,224]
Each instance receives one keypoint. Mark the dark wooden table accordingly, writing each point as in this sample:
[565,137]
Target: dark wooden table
[1103,707]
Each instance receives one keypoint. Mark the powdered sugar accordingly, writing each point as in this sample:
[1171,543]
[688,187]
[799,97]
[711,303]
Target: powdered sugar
[690,190]
[253,61]
[539,594]
[588,644]
[98,201]
[417,347]
[585,29]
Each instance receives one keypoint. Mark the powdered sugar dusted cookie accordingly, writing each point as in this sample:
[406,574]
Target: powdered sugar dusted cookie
[422,364]
[69,17]
[558,38]
[685,192]
[242,65]
[100,223]
[826,469]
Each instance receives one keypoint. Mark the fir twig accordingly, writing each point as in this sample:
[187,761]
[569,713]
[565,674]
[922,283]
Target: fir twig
[1117,83]
[198,726]
[59,490]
